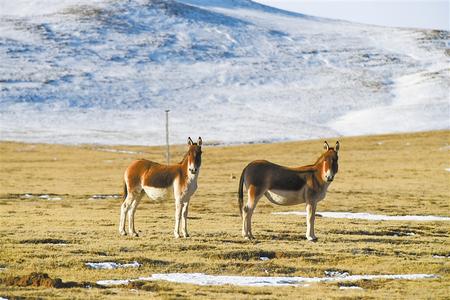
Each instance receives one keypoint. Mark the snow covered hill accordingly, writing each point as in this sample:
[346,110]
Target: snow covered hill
[232,71]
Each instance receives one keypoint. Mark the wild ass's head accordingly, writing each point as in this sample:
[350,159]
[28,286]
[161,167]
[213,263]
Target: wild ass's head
[329,162]
[194,155]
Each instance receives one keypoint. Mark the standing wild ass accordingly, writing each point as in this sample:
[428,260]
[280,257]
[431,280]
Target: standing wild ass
[151,178]
[287,186]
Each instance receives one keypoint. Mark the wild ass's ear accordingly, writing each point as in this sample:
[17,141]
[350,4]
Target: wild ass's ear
[190,142]
[337,146]
[326,146]
[199,142]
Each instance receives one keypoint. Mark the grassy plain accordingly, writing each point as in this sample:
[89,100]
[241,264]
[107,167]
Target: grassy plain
[390,174]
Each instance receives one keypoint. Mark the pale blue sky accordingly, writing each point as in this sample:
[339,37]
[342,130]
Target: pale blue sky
[431,14]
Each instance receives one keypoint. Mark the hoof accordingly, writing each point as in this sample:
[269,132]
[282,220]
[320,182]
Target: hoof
[311,239]
[248,236]
[134,234]
[176,235]
[185,235]
[123,233]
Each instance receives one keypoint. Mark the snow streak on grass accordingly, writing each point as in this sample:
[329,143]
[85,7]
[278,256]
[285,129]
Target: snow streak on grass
[366,216]
[203,279]
[109,265]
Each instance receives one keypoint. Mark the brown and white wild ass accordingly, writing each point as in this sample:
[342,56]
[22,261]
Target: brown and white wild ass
[287,186]
[155,180]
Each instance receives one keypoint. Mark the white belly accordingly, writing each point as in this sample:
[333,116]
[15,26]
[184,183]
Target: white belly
[158,193]
[286,197]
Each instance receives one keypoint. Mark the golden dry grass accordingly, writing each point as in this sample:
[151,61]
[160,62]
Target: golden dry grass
[390,174]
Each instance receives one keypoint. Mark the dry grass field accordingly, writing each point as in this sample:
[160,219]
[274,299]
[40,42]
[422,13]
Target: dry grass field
[390,174]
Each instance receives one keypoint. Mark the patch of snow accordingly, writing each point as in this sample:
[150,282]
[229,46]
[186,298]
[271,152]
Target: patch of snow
[416,98]
[441,256]
[367,216]
[113,282]
[447,169]
[48,197]
[264,258]
[41,196]
[26,196]
[96,197]
[26,8]
[111,265]
[1,298]
[351,287]
[336,274]
[119,151]
[118,282]
[203,279]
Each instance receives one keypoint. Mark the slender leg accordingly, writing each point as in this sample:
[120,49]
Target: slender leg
[249,223]
[131,212]
[123,211]
[244,222]
[245,216]
[253,197]
[178,210]
[185,210]
[177,195]
[310,218]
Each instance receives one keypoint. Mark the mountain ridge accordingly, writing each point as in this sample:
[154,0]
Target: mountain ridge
[235,72]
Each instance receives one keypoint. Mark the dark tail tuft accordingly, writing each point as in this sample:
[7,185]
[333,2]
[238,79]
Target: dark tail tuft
[241,193]
[125,191]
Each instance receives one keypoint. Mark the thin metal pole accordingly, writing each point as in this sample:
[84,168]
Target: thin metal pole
[167,137]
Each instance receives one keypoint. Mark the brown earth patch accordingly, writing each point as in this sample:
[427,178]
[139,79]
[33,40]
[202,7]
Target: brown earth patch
[38,279]
[147,286]
[44,241]
[257,254]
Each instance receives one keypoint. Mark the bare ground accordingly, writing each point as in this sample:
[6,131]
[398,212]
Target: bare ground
[77,222]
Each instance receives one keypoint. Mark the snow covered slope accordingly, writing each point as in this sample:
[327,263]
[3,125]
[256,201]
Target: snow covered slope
[79,71]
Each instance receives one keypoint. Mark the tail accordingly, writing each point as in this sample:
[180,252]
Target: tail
[125,191]
[241,193]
